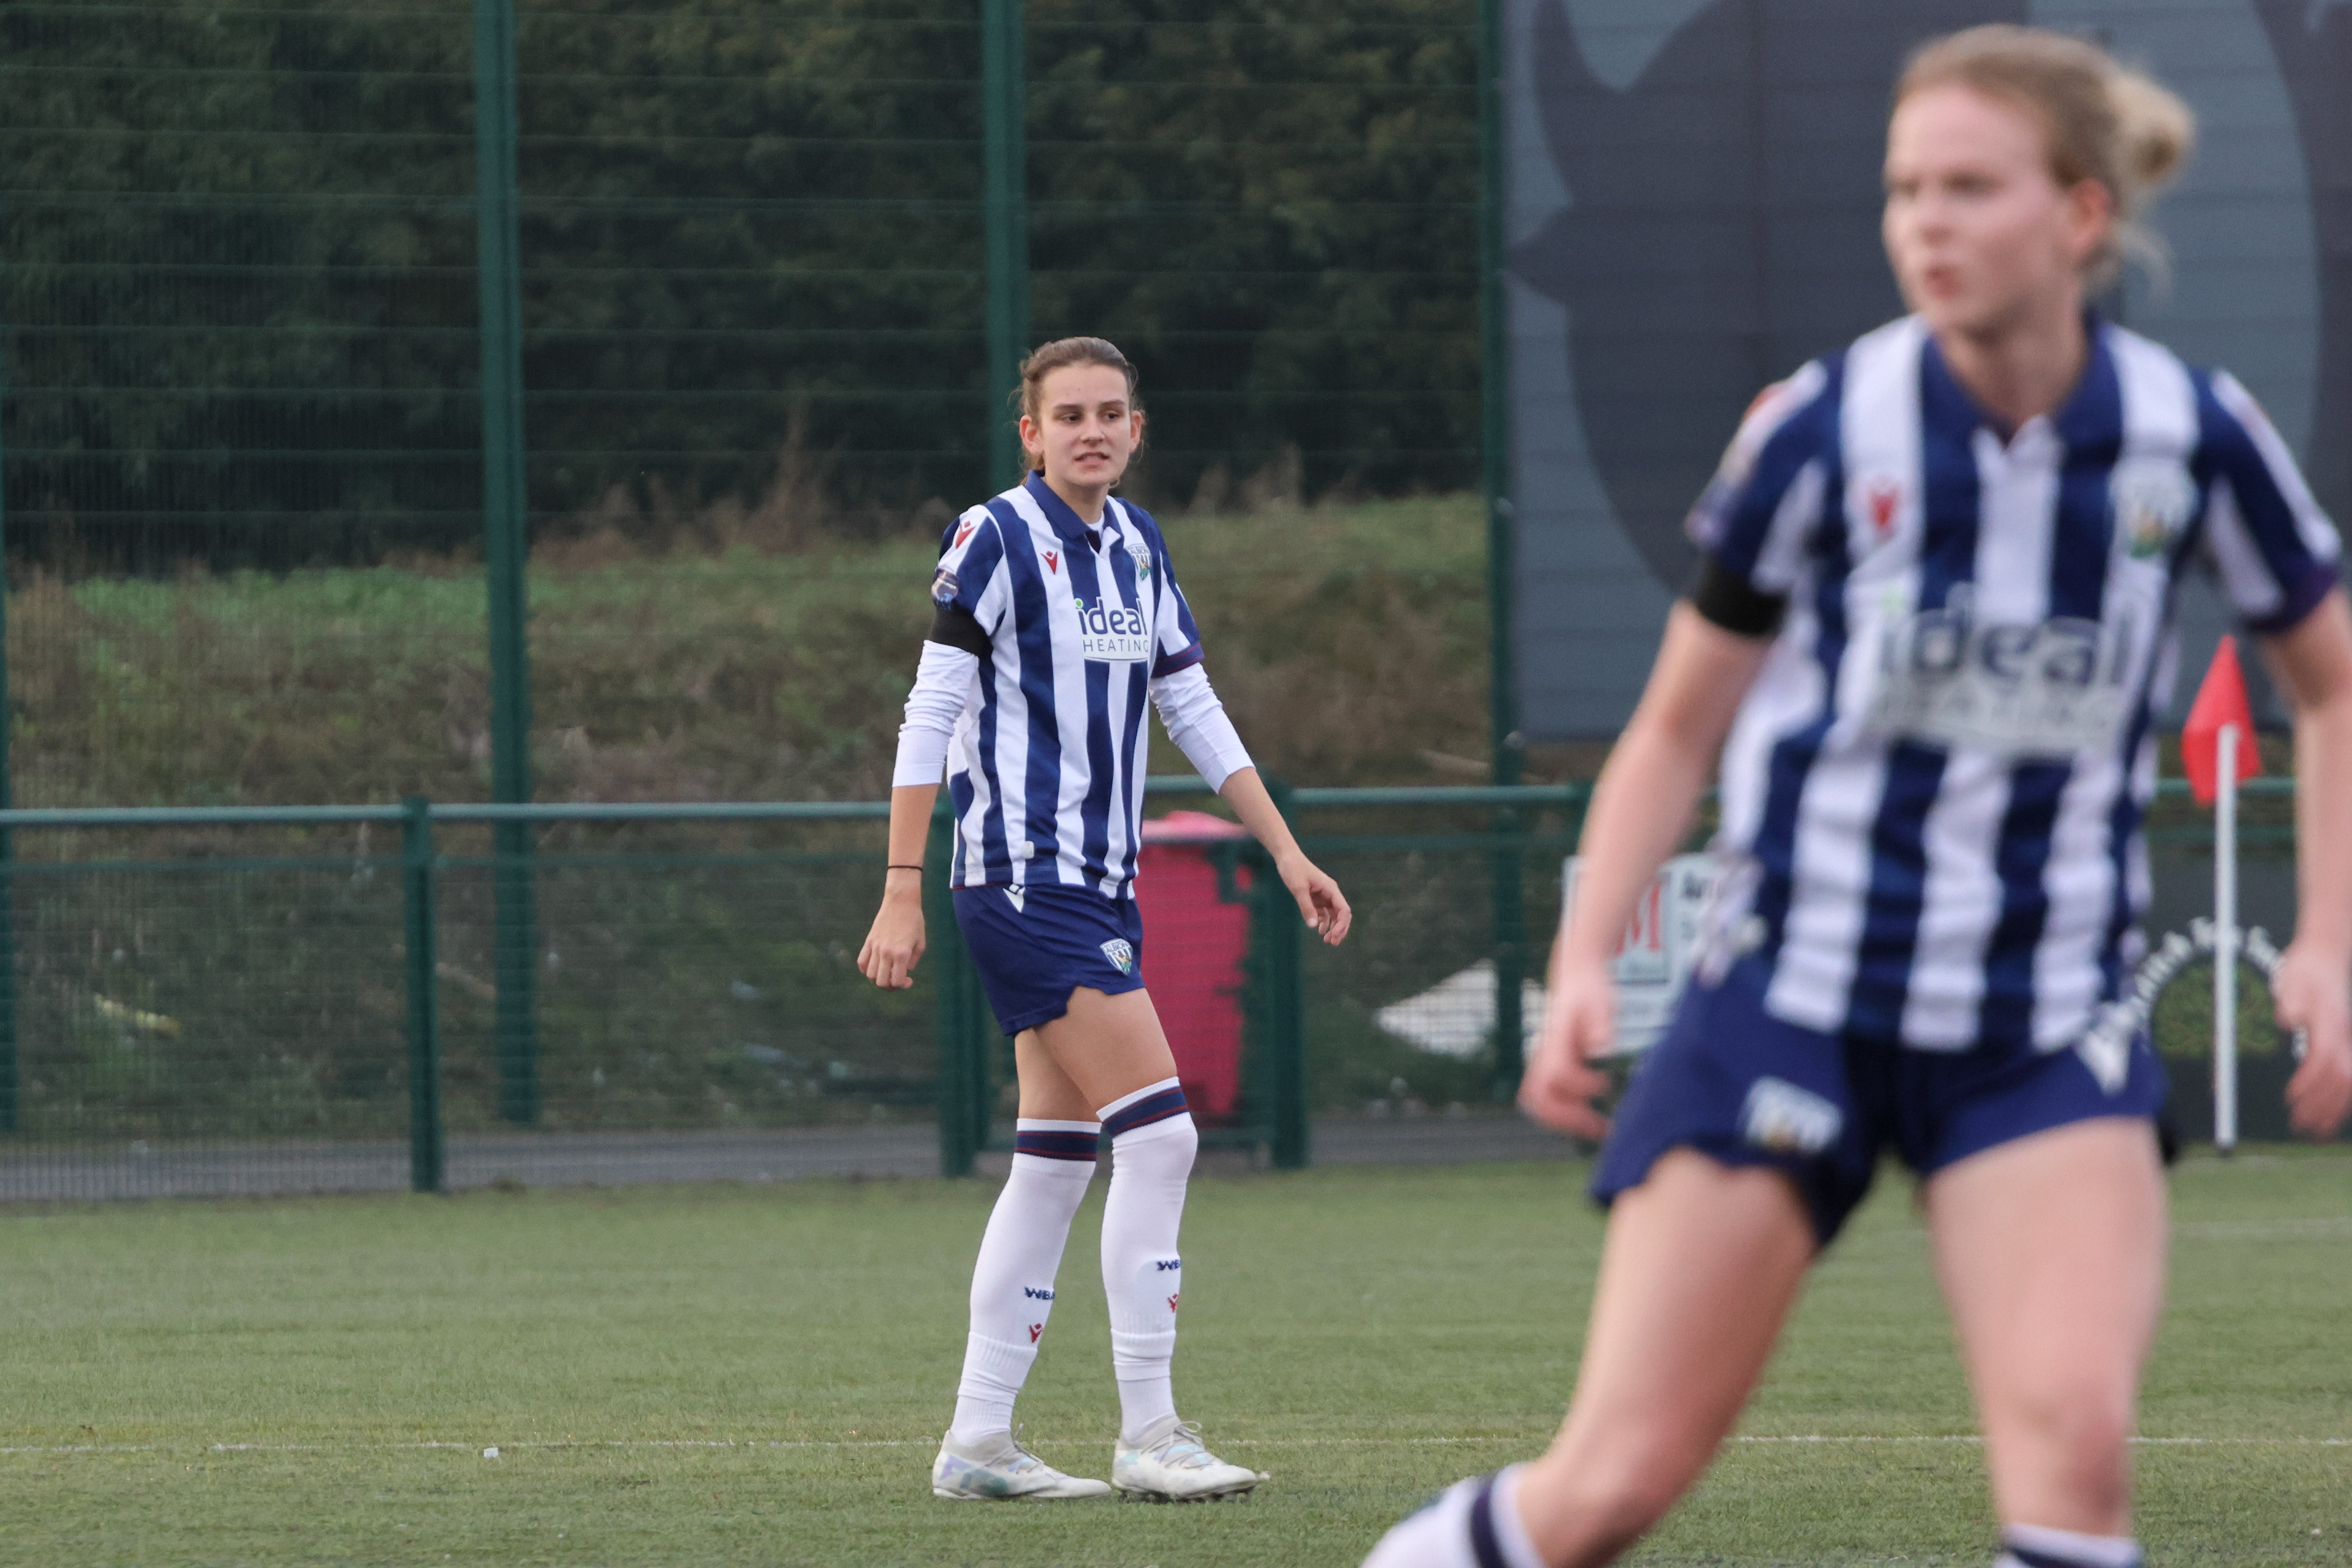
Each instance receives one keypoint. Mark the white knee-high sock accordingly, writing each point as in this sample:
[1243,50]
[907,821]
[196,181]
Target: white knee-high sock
[2037,1546]
[1013,1283]
[1152,1145]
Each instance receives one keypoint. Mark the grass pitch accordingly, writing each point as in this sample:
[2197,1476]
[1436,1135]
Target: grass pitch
[740,1376]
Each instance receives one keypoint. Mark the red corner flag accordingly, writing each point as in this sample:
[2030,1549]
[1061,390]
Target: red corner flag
[2221,700]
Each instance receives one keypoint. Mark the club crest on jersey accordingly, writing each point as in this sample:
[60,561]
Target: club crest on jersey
[2154,498]
[1140,553]
[1787,1119]
[1121,956]
[1112,634]
[944,585]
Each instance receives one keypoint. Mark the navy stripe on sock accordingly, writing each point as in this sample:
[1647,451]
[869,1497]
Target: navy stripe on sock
[1484,1546]
[1055,1145]
[2035,1559]
[1151,1108]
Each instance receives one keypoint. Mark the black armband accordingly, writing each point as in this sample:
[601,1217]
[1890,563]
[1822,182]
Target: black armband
[1724,598]
[955,627]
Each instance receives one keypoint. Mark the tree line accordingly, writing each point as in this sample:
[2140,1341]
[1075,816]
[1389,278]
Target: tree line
[239,299]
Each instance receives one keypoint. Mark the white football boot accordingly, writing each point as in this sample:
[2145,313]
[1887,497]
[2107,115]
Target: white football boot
[1171,1466]
[998,1469]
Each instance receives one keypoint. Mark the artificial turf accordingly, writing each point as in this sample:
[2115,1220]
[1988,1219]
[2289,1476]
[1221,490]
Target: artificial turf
[760,1374]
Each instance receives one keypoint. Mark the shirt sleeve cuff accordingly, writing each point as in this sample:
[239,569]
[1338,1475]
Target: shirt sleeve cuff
[923,758]
[1170,663]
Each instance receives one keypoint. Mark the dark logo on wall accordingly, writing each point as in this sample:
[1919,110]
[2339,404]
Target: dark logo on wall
[1724,224]
[2313,42]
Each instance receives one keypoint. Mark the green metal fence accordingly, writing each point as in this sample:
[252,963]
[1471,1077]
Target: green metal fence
[246,999]
[240,1000]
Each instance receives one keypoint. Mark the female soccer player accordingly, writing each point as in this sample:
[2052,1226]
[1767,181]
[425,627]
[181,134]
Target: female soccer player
[1929,639]
[1057,612]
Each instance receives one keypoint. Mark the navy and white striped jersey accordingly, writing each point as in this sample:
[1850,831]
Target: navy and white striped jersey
[1046,769]
[1932,795]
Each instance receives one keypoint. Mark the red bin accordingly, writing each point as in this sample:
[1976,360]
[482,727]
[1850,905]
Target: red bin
[1194,944]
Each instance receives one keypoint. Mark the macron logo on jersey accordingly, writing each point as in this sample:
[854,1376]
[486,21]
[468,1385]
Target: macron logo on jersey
[1112,635]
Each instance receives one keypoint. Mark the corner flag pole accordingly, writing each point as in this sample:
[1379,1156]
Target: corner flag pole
[2217,749]
[2225,941]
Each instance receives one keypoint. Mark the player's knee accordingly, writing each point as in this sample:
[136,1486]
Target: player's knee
[1183,1143]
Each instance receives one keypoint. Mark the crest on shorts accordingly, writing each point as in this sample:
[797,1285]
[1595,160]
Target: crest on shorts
[2154,498]
[1121,956]
[1787,1119]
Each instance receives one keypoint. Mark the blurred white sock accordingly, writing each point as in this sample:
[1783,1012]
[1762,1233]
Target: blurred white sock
[1474,1524]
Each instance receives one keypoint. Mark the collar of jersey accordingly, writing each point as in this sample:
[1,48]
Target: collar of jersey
[1066,524]
[2073,422]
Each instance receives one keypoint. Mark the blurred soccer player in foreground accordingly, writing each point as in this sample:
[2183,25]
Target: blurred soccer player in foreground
[1929,635]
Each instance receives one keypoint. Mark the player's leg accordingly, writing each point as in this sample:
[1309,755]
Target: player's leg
[1702,1264]
[1741,1144]
[1012,1280]
[1021,1251]
[1112,1048]
[2050,1251]
[1700,1267]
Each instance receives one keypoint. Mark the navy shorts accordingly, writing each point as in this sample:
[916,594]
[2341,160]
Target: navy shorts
[1034,946]
[1742,1088]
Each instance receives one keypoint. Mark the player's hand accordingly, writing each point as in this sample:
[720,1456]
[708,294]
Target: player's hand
[896,940]
[1579,1025]
[2312,994]
[1321,903]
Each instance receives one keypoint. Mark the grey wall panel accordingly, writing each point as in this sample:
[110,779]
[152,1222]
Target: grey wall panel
[1693,213]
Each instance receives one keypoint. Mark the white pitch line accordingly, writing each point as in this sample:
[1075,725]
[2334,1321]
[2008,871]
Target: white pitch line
[2311,1227]
[792,1443]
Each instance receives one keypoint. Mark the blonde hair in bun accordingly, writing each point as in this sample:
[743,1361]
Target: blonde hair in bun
[2100,119]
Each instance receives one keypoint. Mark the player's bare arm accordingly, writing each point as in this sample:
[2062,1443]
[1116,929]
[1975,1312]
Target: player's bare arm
[895,941]
[1321,903]
[1641,807]
[2312,663]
